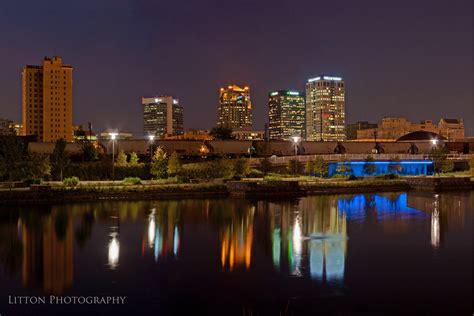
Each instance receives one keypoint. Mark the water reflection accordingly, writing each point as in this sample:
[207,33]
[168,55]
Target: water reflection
[163,231]
[309,236]
[303,239]
[236,235]
[48,252]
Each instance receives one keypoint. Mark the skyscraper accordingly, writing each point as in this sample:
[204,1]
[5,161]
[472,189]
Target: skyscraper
[162,115]
[235,107]
[47,100]
[286,114]
[325,109]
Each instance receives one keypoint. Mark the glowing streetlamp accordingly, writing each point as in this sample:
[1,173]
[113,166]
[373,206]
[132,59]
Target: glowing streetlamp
[296,140]
[113,136]
[151,138]
[434,142]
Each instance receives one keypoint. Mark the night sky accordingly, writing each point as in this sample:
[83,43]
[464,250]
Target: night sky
[398,58]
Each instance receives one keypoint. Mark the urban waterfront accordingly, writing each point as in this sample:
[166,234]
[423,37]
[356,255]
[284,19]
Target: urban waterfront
[368,253]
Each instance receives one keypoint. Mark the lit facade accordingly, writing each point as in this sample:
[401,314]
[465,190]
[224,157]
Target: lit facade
[235,107]
[248,134]
[325,109]
[286,115]
[392,128]
[162,116]
[47,100]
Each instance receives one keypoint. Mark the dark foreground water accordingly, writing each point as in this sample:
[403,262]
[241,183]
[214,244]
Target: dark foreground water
[399,253]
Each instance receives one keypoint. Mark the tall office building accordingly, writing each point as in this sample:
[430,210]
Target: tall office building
[47,100]
[235,107]
[325,109]
[162,115]
[286,114]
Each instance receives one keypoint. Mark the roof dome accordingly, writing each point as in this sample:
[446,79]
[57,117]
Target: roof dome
[420,136]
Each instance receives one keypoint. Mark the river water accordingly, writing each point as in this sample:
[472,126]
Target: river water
[399,253]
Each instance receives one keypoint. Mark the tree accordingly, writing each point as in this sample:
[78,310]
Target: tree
[174,165]
[12,157]
[133,159]
[39,166]
[395,166]
[439,156]
[89,152]
[369,166]
[240,167]
[320,167]
[121,159]
[159,164]
[293,166]
[309,167]
[265,165]
[344,167]
[59,159]
[221,133]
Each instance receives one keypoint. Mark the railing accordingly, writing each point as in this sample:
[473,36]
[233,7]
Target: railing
[349,157]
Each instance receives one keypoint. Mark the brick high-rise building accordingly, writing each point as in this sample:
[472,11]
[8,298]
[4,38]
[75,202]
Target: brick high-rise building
[47,100]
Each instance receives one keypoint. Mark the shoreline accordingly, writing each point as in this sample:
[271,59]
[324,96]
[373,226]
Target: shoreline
[59,195]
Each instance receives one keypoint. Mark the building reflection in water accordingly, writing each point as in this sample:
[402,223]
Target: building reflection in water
[236,235]
[163,231]
[309,236]
[435,225]
[48,251]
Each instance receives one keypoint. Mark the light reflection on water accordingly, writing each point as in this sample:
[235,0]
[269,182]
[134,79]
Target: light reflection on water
[305,239]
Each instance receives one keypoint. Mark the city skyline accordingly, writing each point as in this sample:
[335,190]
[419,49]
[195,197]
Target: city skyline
[427,71]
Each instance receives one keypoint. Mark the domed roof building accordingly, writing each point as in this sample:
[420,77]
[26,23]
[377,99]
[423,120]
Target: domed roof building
[421,136]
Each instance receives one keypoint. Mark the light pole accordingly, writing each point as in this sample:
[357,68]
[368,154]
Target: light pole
[151,138]
[113,136]
[434,142]
[296,140]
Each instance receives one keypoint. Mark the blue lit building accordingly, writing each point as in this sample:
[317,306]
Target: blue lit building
[403,168]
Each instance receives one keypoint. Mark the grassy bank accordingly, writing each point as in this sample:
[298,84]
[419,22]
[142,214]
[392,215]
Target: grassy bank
[61,193]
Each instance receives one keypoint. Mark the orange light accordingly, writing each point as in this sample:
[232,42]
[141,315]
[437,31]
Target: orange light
[246,88]
[222,89]
[230,87]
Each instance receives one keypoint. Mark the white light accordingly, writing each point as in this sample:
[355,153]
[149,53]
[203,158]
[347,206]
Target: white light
[274,93]
[114,251]
[113,136]
[332,78]
[297,236]
[151,137]
[175,101]
[434,141]
[295,139]
[151,230]
[314,79]
[293,93]
[157,100]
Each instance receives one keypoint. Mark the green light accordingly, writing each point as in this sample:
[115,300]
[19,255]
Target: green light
[292,93]
[274,93]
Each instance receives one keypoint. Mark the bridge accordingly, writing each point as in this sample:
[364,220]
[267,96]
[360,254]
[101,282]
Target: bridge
[283,160]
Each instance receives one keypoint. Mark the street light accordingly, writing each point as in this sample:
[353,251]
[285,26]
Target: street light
[434,141]
[296,140]
[113,136]
[151,138]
